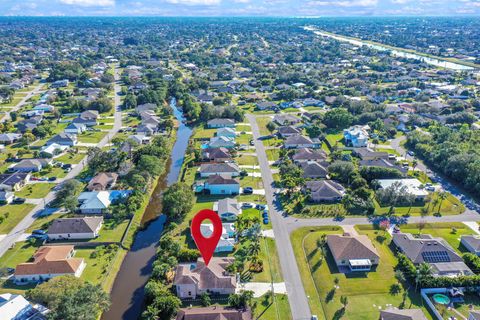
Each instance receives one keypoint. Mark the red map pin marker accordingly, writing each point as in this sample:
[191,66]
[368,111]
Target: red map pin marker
[206,245]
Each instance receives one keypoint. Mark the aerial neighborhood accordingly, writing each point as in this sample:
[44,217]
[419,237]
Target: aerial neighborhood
[340,155]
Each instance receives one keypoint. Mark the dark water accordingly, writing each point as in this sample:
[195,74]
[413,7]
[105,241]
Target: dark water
[128,290]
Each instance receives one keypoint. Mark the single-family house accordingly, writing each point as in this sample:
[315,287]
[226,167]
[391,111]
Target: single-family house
[368,154]
[216,155]
[227,240]
[412,186]
[60,83]
[139,138]
[402,314]
[102,181]
[307,154]
[221,142]
[9,138]
[228,209]
[219,185]
[287,131]
[44,107]
[285,119]
[356,136]
[265,105]
[324,190]
[75,228]
[226,169]
[435,251]
[472,243]
[14,181]
[30,165]
[314,169]
[63,139]
[300,141]
[52,150]
[94,202]
[75,128]
[146,107]
[91,115]
[214,313]
[221,123]
[193,279]
[6,197]
[353,252]
[146,130]
[49,262]
[16,307]
[226,132]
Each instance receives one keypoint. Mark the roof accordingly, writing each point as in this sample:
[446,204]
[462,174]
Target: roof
[457,268]
[13,305]
[313,169]
[94,200]
[214,153]
[402,314]
[472,240]
[30,163]
[218,179]
[206,277]
[102,180]
[425,248]
[75,225]
[50,260]
[348,247]
[213,313]
[309,154]
[285,118]
[412,185]
[298,139]
[228,205]
[325,188]
[89,114]
[13,179]
[221,121]
[219,168]
[289,130]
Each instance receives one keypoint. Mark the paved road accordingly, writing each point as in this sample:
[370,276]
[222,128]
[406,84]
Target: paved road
[22,102]
[296,293]
[27,221]
[283,226]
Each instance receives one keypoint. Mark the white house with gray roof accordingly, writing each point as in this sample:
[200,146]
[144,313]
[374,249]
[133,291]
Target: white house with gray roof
[75,228]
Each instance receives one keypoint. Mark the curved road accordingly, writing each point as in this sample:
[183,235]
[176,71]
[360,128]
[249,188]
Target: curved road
[283,226]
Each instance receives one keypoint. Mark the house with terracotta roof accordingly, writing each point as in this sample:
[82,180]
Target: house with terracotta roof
[49,262]
[193,279]
[353,252]
[102,181]
[214,313]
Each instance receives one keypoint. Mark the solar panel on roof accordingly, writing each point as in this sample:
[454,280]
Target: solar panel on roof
[435,256]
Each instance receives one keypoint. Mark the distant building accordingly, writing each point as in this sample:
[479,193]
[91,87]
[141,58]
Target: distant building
[356,136]
[300,141]
[225,169]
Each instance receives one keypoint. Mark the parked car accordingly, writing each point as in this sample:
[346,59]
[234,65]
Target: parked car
[247,190]
[411,153]
[252,143]
[247,205]
[265,215]
[265,221]
[262,207]
[66,166]
[52,178]
[18,200]
[38,236]
[39,231]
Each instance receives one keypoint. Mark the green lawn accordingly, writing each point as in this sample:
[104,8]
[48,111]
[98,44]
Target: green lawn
[335,139]
[271,264]
[44,222]
[36,190]
[243,138]
[97,267]
[111,231]
[203,132]
[449,206]
[243,127]
[254,182]
[262,125]
[71,158]
[20,253]
[273,154]
[366,292]
[450,231]
[279,310]
[243,160]
[91,136]
[16,212]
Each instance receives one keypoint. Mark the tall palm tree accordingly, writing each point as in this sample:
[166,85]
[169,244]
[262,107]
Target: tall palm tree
[423,272]
[254,248]
[442,195]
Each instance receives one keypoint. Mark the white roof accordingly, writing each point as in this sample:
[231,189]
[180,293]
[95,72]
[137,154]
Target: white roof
[11,305]
[207,229]
[52,147]
[412,185]
[360,262]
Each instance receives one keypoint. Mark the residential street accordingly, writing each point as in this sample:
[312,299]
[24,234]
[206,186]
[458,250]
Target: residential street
[25,223]
[283,226]
[296,293]
[24,100]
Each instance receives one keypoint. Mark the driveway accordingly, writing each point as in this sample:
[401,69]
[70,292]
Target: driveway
[25,223]
[260,288]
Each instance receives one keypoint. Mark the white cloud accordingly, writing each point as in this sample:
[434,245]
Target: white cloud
[195,2]
[90,3]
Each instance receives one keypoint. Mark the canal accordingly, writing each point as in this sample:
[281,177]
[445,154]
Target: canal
[128,290]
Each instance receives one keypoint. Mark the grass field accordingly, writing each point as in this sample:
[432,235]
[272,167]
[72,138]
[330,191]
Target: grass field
[335,139]
[366,292]
[16,212]
[35,190]
[262,125]
[71,158]
[244,160]
[91,136]
[280,310]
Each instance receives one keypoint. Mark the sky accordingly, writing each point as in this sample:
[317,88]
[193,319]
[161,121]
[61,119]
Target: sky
[238,7]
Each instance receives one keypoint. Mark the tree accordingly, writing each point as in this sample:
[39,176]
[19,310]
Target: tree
[443,196]
[241,300]
[344,301]
[424,271]
[254,248]
[67,194]
[271,126]
[69,298]
[342,171]
[178,200]
[338,119]
[206,300]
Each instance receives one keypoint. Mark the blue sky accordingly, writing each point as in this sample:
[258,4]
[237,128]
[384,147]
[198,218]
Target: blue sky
[237,7]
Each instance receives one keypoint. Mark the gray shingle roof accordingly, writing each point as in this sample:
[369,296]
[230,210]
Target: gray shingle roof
[75,225]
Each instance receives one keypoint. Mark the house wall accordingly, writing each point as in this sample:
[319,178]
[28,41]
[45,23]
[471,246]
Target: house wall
[43,277]
[296,146]
[227,174]
[91,211]
[470,248]
[185,291]
[61,236]
[223,189]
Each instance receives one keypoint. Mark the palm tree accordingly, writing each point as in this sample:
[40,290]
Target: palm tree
[254,248]
[442,195]
[423,272]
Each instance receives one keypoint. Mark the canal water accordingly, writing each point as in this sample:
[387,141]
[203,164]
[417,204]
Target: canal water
[128,290]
